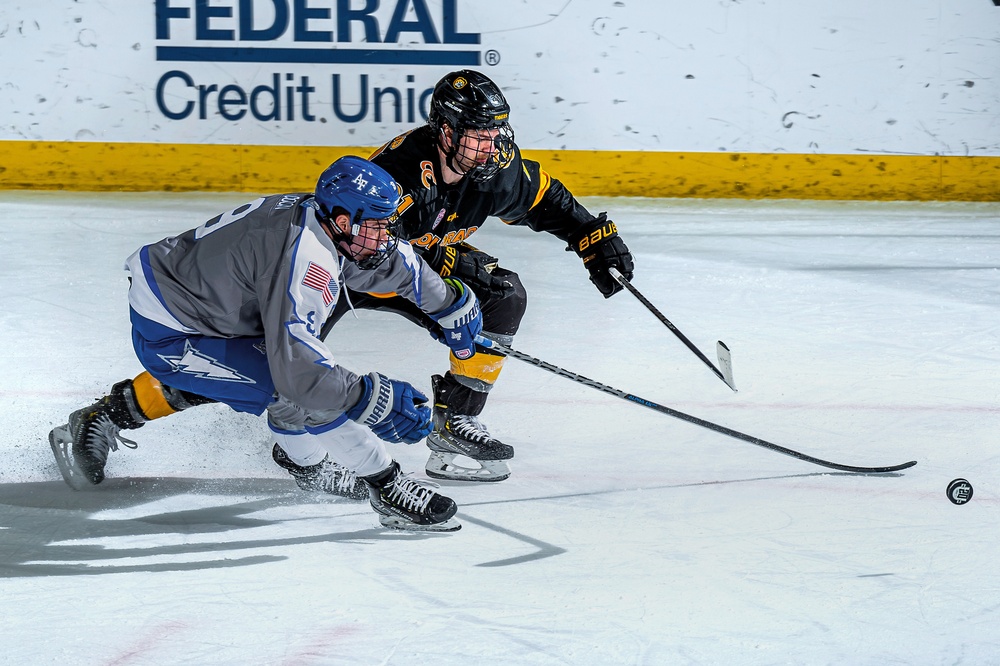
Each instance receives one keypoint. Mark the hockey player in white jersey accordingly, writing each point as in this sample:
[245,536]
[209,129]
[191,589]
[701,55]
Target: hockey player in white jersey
[232,311]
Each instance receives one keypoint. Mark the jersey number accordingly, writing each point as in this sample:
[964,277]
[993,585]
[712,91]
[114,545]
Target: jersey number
[225,219]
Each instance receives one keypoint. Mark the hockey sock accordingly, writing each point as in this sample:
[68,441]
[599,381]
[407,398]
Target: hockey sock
[155,400]
[480,371]
[149,397]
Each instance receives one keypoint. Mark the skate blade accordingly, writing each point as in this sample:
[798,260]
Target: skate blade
[62,443]
[396,523]
[443,466]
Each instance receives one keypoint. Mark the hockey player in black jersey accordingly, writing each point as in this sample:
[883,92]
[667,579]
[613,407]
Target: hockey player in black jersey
[456,171]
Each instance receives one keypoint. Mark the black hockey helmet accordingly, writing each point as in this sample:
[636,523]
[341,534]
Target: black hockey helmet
[468,100]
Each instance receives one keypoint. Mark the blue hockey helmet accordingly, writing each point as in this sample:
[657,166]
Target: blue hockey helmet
[363,191]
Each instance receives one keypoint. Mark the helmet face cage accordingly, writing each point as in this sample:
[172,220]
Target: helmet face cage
[472,105]
[367,237]
[480,172]
[364,192]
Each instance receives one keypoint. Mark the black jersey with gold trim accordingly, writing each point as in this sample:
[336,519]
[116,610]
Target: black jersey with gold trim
[435,214]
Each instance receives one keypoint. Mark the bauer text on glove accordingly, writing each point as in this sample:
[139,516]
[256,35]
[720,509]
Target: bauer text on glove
[600,247]
[475,269]
[460,322]
[393,409]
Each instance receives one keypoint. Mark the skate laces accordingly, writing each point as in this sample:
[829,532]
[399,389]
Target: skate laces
[338,478]
[104,436]
[410,493]
[469,427]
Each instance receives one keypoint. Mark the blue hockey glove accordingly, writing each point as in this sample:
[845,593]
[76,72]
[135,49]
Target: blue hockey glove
[392,409]
[460,322]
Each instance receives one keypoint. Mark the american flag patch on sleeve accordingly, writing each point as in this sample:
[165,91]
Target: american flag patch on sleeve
[319,278]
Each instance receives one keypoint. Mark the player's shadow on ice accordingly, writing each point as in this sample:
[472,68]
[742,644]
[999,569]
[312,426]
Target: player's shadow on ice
[125,523]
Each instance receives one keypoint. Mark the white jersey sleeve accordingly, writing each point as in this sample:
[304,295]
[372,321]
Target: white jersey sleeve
[295,302]
[405,274]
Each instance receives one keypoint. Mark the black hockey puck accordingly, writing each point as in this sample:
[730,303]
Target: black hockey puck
[959,491]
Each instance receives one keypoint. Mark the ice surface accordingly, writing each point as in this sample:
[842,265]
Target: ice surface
[864,333]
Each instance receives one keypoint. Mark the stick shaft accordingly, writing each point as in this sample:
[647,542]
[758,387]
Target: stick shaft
[580,379]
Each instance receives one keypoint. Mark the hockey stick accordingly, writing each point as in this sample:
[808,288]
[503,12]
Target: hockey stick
[725,360]
[579,379]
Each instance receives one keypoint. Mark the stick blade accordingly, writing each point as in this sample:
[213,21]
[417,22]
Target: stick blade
[725,363]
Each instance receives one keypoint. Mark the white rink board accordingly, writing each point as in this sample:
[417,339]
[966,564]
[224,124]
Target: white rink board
[895,76]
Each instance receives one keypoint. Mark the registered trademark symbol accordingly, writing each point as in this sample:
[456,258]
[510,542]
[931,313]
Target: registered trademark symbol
[492,57]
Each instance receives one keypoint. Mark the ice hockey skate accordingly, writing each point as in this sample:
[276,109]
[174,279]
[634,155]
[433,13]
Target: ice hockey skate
[404,502]
[323,477]
[81,447]
[464,435]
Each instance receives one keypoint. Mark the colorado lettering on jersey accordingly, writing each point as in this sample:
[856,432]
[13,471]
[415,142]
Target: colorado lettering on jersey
[430,239]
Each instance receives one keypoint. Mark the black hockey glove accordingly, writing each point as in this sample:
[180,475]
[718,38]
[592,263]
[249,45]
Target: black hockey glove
[475,269]
[600,248]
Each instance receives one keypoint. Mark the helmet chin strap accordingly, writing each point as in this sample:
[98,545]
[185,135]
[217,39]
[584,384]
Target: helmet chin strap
[452,152]
[329,227]
[348,244]
[356,223]
[345,249]
[339,237]
[344,244]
